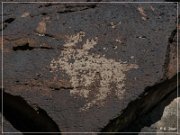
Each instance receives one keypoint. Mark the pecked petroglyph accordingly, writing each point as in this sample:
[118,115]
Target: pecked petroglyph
[91,75]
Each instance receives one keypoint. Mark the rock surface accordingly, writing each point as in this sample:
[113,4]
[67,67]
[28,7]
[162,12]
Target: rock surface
[170,116]
[168,122]
[84,64]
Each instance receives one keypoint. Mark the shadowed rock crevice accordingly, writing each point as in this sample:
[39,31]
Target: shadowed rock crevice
[23,47]
[153,115]
[134,117]
[77,8]
[27,47]
[173,34]
[25,118]
[7,22]
[172,38]
[66,8]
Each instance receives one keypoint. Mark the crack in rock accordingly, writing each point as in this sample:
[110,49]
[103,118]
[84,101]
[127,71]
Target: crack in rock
[23,44]
[6,22]
[77,8]
[9,20]
[140,107]
[168,53]
[27,47]
[24,117]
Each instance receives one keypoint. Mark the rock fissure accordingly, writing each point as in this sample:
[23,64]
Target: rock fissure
[24,117]
[27,47]
[146,102]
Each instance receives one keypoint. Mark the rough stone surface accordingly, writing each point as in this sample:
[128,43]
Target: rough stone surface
[170,117]
[83,63]
[168,122]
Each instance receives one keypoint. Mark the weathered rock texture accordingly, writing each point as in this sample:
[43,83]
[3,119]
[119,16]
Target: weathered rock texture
[84,63]
[170,117]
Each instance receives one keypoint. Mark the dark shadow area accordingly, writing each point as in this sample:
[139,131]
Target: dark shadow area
[23,47]
[25,118]
[145,110]
[153,116]
[27,47]
[9,20]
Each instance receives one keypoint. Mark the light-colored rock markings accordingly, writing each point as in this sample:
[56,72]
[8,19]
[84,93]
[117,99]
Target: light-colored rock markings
[92,76]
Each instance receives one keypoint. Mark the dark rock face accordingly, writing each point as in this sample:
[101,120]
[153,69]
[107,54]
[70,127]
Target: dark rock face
[83,63]
[26,118]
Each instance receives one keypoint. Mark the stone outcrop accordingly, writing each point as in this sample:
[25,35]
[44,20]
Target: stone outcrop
[88,64]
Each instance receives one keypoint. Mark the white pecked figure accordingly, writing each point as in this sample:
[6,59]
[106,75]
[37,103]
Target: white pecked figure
[91,75]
